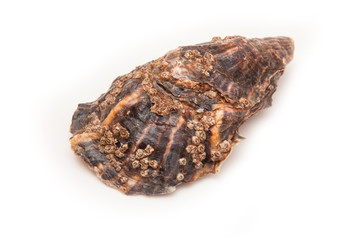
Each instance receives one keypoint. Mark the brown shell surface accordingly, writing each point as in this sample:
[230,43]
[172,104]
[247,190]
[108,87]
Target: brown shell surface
[176,118]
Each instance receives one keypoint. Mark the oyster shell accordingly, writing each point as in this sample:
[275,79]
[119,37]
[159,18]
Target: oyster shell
[176,118]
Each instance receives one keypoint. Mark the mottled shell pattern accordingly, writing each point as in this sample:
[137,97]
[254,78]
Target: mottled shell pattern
[176,118]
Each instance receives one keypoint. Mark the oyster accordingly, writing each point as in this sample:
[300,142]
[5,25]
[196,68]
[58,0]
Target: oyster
[176,118]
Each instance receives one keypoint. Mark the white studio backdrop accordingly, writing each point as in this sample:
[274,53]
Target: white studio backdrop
[295,176]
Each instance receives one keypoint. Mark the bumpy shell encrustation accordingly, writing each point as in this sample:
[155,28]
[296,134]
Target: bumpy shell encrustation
[176,118]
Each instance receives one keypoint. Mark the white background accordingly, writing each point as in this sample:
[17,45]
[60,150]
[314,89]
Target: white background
[296,176]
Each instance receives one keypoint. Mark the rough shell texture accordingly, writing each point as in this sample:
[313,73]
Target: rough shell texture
[176,119]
